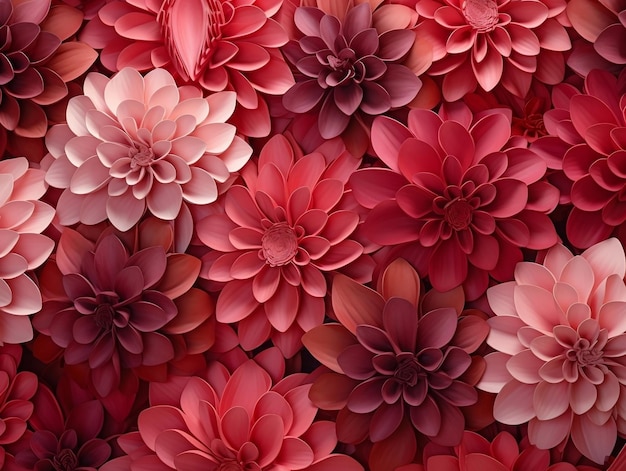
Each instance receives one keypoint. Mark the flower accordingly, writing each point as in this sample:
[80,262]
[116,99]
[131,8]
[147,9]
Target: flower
[559,336]
[23,248]
[486,42]
[216,44]
[233,422]
[134,143]
[470,202]
[347,68]
[113,309]
[392,365]
[277,237]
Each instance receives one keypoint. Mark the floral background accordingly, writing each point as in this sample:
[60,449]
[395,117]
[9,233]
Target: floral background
[277,235]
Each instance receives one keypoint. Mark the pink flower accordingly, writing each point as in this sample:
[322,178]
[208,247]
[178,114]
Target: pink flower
[395,369]
[348,70]
[486,42]
[114,310]
[232,422]
[134,143]
[559,332]
[22,248]
[276,239]
[216,44]
[470,203]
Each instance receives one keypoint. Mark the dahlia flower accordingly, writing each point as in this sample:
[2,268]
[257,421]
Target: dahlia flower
[134,143]
[113,309]
[233,422]
[486,42]
[470,202]
[216,44]
[36,62]
[560,341]
[64,443]
[275,240]
[22,219]
[392,365]
[347,68]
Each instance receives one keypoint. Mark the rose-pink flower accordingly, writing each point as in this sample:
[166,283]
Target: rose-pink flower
[134,144]
[559,332]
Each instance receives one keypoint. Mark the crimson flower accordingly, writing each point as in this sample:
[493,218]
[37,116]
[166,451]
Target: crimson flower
[470,202]
[276,239]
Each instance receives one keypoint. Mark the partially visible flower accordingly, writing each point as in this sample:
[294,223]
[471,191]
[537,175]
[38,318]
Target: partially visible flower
[559,332]
[22,246]
[134,144]
[216,44]
[348,70]
[113,307]
[395,369]
[238,422]
[470,202]
[276,239]
[486,42]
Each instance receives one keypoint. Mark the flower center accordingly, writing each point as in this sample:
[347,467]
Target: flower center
[65,460]
[482,15]
[584,354]
[408,371]
[104,316]
[279,244]
[458,213]
[140,156]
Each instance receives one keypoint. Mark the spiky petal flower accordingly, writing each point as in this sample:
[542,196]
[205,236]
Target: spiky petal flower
[486,42]
[134,144]
[560,336]
[22,248]
[276,239]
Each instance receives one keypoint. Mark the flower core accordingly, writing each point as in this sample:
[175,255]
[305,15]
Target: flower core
[482,15]
[104,316]
[458,214]
[279,244]
[140,156]
[66,460]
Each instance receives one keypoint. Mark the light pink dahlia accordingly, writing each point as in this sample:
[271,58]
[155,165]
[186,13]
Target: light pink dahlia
[277,238]
[486,42]
[112,311]
[216,44]
[238,422]
[469,202]
[559,332]
[22,248]
[134,143]
[394,369]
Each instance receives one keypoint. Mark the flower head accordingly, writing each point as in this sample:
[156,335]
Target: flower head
[135,143]
[559,332]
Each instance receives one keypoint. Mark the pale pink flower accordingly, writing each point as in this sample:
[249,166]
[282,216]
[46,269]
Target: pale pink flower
[216,44]
[394,369]
[277,238]
[22,248]
[468,205]
[134,144]
[232,422]
[559,332]
[486,42]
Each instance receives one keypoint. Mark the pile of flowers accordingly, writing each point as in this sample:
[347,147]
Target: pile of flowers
[280,235]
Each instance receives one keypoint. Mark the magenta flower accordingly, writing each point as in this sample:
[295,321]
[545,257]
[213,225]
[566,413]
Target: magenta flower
[470,203]
[347,68]
[112,311]
[393,366]
[232,422]
[486,42]
[134,144]
[276,239]
[22,248]
[216,44]
[559,332]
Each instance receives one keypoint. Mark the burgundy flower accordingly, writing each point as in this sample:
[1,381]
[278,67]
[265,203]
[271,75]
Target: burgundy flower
[348,68]
[470,202]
